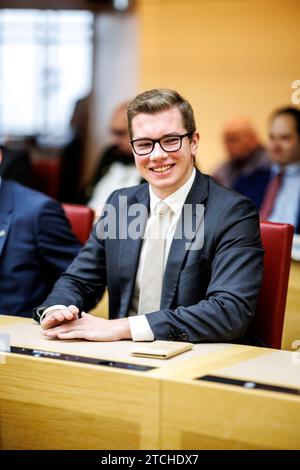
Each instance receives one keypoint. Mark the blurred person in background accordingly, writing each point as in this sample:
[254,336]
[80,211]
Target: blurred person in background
[36,246]
[276,190]
[16,164]
[244,152]
[72,158]
[116,167]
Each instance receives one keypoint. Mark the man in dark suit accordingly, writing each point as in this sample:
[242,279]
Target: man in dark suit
[198,280]
[15,165]
[36,246]
[276,190]
[244,150]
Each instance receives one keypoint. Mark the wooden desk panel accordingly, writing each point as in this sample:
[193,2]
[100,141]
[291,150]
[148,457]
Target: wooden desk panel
[291,330]
[51,404]
[204,415]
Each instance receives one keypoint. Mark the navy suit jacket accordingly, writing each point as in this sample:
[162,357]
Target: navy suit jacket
[254,186]
[36,246]
[16,165]
[208,294]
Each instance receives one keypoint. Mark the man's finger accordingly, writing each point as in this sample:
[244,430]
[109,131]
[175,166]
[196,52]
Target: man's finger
[48,321]
[71,335]
[68,314]
[65,328]
[73,309]
[58,315]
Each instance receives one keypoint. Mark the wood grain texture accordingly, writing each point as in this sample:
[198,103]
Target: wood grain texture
[212,416]
[291,330]
[48,404]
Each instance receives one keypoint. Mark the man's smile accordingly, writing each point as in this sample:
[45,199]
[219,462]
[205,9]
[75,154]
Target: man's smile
[162,168]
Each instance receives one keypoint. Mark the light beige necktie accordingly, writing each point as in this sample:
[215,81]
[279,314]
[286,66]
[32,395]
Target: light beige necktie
[153,269]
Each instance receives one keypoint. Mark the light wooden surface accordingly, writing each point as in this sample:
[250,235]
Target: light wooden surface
[291,330]
[52,404]
[202,415]
[47,404]
[27,334]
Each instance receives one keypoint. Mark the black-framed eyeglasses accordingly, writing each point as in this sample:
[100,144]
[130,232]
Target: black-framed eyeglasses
[169,143]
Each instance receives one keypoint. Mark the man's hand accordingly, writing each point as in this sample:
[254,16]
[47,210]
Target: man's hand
[58,317]
[91,328]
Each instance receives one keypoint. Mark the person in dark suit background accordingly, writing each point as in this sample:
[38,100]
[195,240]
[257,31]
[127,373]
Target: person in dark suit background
[244,151]
[205,293]
[276,190]
[116,168]
[16,165]
[36,246]
[73,153]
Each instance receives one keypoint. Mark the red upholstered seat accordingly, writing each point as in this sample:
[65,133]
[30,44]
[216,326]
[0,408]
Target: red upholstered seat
[277,242]
[81,219]
[45,176]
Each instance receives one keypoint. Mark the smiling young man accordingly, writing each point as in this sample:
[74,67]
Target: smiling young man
[164,287]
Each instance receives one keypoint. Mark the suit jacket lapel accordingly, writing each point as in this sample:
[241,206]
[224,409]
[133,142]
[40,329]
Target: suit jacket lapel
[130,252]
[6,213]
[179,250]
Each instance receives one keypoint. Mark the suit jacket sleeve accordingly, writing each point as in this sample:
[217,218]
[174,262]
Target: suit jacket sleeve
[236,274]
[84,282]
[56,243]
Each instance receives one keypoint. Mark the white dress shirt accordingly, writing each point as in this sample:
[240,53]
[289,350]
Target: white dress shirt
[286,206]
[139,326]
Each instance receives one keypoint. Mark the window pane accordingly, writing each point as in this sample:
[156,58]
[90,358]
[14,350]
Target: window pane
[45,66]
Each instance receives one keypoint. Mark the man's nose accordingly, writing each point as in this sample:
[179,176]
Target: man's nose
[158,152]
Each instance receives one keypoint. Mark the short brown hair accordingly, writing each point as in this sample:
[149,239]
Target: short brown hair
[160,99]
[289,111]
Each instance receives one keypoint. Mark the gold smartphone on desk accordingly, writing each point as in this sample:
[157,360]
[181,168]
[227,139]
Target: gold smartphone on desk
[161,349]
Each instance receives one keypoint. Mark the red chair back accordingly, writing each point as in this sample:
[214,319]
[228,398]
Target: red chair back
[46,175]
[81,219]
[277,242]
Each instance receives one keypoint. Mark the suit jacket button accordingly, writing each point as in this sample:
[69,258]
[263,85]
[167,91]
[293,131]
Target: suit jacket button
[184,336]
[170,337]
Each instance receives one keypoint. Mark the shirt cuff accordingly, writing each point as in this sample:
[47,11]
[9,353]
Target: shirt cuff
[140,328]
[48,309]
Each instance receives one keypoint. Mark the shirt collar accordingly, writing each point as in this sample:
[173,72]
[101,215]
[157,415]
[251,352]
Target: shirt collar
[290,170]
[176,199]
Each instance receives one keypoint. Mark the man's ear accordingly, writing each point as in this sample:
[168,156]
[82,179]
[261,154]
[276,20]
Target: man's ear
[195,143]
[0,156]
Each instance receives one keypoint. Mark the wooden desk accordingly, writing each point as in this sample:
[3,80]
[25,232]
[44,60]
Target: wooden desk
[200,414]
[52,404]
[56,404]
[291,330]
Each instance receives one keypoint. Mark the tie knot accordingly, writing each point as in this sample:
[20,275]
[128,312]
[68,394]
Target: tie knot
[162,208]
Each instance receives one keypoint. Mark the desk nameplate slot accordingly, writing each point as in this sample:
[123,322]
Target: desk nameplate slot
[81,359]
[249,384]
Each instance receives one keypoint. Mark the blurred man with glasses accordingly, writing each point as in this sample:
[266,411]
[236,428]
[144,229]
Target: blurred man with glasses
[164,287]
[116,168]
